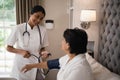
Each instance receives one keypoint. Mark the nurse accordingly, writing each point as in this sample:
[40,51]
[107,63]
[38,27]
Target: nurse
[26,39]
[74,65]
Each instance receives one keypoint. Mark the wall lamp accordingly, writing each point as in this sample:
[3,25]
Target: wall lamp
[86,17]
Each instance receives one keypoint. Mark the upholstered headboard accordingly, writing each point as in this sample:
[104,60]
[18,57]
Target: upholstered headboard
[109,42]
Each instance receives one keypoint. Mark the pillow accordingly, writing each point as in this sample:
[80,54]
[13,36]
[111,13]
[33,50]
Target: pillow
[100,72]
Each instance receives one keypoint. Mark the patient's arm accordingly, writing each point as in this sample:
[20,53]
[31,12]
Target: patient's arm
[36,65]
[53,64]
[50,64]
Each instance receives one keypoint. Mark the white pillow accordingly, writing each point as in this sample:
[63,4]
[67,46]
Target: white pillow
[100,72]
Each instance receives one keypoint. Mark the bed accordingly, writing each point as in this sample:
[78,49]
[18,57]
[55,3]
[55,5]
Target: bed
[107,64]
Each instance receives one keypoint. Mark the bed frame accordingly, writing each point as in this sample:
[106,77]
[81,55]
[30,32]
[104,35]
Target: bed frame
[109,37]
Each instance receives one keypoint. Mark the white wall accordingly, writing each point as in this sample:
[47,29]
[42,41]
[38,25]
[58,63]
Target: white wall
[56,10]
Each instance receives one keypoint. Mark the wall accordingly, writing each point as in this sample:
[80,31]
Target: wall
[93,31]
[56,10]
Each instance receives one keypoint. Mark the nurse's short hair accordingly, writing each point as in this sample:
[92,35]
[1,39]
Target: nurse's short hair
[77,40]
[38,8]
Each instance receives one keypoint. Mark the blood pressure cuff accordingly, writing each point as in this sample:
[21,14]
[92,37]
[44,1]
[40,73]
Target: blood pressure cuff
[53,64]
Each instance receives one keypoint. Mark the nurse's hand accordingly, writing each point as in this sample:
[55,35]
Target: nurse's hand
[26,54]
[45,54]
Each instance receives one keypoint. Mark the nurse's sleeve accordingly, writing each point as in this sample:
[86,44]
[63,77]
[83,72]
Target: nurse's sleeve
[12,37]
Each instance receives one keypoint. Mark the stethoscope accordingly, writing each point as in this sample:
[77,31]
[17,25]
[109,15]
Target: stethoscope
[26,32]
[38,58]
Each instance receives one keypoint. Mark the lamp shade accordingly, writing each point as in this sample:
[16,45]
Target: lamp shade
[88,15]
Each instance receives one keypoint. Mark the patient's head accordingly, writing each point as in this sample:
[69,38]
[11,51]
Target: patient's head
[75,41]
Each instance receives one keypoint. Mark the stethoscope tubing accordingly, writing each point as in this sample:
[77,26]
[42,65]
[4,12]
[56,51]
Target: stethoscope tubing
[26,32]
[49,54]
[38,58]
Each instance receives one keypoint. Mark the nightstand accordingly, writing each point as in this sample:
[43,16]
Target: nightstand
[90,48]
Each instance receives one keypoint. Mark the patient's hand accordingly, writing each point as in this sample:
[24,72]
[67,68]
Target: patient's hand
[27,67]
[35,65]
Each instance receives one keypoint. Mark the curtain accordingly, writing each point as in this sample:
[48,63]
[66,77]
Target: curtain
[23,8]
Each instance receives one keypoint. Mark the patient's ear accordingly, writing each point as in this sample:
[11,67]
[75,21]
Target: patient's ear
[68,46]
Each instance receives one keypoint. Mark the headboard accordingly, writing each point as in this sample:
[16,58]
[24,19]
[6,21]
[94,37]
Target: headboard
[109,38]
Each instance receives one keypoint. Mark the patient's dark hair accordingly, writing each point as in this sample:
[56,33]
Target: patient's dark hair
[38,8]
[77,39]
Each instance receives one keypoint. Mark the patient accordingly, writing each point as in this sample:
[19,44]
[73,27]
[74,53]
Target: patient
[73,66]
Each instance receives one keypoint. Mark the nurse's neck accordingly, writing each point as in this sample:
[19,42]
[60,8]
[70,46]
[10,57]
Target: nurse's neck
[31,25]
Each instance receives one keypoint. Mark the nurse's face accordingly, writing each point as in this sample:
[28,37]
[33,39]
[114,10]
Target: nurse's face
[65,45]
[36,18]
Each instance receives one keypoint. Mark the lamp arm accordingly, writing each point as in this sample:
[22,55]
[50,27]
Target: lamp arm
[85,25]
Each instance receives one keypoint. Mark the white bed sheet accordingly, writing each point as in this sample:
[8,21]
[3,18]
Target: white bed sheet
[99,71]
